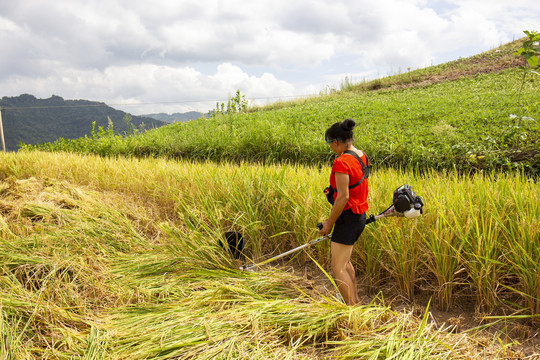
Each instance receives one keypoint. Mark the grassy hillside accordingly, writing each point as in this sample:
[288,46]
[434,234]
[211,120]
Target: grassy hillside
[463,115]
[176,117]
[120,259]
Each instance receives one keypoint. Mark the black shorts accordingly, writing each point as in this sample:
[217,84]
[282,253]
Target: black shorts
[348,227]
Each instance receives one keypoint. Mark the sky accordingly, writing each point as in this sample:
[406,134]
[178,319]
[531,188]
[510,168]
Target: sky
[185,55]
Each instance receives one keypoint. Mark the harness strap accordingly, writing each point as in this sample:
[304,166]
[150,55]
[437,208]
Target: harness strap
[365,168]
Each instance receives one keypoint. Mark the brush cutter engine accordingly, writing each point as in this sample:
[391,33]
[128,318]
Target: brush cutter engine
[406,202]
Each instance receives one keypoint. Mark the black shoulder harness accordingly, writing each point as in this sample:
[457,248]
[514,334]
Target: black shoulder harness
[329,191]
[365,168]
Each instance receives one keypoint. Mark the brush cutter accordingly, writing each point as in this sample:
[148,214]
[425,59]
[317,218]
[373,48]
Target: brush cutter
[405,204]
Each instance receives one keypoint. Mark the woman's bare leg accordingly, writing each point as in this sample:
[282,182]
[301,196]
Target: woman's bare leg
[344,272]
[352,274]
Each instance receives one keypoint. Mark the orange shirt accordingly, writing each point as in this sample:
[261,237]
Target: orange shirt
[347,164]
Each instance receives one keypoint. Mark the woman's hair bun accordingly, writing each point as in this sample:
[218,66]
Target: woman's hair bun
[348,124]
[342,130]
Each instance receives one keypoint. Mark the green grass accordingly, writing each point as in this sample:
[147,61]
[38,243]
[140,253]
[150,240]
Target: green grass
[464,123]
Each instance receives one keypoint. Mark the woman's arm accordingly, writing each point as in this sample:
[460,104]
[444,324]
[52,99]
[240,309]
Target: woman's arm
[342,184]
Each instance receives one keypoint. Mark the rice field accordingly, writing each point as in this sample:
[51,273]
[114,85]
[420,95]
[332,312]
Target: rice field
[105,258]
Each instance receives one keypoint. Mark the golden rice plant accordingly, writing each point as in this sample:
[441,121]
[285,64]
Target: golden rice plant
[120,258]
[458,241]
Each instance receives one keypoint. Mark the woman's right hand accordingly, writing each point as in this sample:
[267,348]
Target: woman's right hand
[325,229]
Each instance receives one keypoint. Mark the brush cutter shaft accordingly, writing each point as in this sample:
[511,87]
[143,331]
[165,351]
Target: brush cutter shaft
[391,211]
[388,212]
[286,253]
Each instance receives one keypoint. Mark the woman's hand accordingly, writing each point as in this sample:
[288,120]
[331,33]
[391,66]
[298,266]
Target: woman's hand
[326,228]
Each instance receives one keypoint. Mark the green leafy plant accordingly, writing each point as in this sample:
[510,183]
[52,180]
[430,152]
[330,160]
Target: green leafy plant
[236,104]
[530,49]
[530,52]
[127,120]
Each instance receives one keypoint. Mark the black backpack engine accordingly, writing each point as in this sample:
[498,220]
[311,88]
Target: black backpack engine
[406,202]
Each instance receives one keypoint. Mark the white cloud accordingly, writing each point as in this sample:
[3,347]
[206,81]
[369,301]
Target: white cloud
[136,51]
[145,88]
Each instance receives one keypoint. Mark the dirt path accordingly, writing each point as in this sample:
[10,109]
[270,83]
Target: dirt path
[503,340]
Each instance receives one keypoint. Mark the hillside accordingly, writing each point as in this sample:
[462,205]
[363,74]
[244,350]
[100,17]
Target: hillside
[474,114]
[176,117]
[489,62]
[33,121]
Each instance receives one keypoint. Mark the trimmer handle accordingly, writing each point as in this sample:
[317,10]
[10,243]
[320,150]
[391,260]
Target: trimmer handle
[370,219]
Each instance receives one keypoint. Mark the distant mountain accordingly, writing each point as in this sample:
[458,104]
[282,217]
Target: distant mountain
[33,121]
[176,117]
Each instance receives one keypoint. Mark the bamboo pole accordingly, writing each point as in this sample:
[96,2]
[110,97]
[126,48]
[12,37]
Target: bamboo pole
[2,132]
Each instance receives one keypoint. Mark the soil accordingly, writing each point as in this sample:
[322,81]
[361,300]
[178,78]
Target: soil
[495,340]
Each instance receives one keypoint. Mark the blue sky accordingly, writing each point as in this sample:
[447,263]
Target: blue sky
[177,56]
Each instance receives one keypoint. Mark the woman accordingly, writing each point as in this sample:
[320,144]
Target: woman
[347,217]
